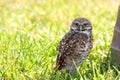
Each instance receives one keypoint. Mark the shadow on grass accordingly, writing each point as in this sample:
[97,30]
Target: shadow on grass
[92,70]
[65,75]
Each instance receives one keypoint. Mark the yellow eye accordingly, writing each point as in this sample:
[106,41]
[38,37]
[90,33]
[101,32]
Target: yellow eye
[77,24]
[85,24]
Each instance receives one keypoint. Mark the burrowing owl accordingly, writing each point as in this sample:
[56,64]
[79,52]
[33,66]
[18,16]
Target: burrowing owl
[75,46]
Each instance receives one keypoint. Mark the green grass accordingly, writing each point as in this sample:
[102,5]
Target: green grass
[31,30]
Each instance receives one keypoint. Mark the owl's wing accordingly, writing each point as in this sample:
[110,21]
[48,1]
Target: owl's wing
[68,46]
[64,40]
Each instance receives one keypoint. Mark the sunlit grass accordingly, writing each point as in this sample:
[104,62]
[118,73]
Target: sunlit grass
[31,30]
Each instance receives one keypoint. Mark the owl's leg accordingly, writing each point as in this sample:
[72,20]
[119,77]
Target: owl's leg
[72,71]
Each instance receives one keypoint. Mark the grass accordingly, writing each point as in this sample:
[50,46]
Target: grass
[31,30]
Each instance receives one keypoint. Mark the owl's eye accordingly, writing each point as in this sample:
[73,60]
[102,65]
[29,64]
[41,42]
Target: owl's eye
[85,24]
[77,24]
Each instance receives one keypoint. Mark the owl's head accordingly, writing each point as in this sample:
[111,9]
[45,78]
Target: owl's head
[81,24]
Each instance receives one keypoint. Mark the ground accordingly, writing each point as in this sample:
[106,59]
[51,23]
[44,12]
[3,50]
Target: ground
[31,30]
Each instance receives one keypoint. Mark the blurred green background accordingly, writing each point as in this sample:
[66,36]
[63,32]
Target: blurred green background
[30,30]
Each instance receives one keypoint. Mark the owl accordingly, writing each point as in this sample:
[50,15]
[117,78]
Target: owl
[75,46]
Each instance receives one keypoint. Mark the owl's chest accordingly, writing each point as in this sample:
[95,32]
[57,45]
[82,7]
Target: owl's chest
[81,52]
[83,47]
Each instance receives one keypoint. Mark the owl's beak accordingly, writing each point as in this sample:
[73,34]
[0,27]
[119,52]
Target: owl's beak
[81,27]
